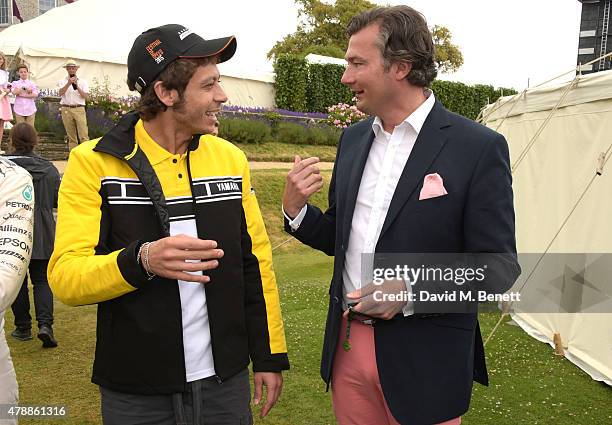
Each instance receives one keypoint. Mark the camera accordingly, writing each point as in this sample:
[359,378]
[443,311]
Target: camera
[74,85]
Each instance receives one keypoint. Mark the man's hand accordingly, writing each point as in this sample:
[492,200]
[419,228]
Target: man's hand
[273,381]
[174,256]
[72,80]
[383,308]
[303,180]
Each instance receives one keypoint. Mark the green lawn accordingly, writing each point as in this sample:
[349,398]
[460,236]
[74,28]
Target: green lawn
[529,384]
[285,152]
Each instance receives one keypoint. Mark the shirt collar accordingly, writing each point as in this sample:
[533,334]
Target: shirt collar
[416,120]
[154,152]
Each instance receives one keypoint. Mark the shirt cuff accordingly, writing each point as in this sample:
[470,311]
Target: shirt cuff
[408,309]
[295,223]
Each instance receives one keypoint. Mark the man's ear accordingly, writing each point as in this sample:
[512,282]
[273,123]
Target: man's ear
[165,96]
[402,69]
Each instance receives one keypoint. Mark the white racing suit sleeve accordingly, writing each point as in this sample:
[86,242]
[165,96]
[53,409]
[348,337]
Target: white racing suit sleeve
[16,222]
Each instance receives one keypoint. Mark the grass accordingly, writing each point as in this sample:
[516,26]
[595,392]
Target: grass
[529,384]
[269,185]
[285,152]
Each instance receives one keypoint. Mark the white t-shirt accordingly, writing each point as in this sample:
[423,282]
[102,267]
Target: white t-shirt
[197,342]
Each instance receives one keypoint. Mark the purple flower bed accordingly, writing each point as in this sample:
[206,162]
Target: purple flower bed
[259,110]
[244,109]
[312,115]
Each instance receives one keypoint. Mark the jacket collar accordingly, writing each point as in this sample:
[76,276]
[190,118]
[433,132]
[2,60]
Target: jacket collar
[120,141]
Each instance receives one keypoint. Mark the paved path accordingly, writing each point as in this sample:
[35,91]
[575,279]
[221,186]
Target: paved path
[255,165]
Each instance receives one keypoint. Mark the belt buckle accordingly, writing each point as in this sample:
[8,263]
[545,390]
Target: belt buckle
[368,322]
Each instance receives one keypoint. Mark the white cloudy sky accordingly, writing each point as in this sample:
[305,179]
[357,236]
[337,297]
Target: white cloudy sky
[504,42]
[507,42]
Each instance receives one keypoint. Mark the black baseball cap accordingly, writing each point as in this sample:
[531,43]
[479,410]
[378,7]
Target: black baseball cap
[157,47]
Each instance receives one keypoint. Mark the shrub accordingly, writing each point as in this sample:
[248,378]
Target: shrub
[325,136]
[244,131]
[101,97]
[47,121]
[324,86]
[301,86]
[466,100]
[98,122]
[342,115]
[291,82]
[287,132]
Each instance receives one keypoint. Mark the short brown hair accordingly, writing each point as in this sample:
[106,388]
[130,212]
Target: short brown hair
[23,138]
[176,76]
[3,66]
[403,36]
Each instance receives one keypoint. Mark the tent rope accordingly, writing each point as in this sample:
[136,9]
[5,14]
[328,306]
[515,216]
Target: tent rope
[524,92]
[531,143]
[286,241]
[481,117]
[497,105]
[602,162]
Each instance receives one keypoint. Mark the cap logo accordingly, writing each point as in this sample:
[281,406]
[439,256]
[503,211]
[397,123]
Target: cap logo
[157,55]
[184,33]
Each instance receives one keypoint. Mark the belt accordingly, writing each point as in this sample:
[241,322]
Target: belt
[72,106]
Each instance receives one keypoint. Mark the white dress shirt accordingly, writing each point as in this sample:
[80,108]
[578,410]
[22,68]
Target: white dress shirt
[384,166]
[72,96]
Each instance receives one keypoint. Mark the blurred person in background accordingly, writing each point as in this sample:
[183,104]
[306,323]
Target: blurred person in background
[16,212]
[46,180]
[25,92]
[74,92]
[5,107]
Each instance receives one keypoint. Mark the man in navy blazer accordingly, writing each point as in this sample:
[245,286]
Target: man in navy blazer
[413,178]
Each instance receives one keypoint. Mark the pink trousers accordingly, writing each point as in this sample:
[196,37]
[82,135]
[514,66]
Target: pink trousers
[356,391]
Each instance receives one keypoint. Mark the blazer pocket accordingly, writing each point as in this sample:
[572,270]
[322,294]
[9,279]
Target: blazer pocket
[429,204]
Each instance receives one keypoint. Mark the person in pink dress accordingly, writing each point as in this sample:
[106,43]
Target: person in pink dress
[5,108]
[26,93]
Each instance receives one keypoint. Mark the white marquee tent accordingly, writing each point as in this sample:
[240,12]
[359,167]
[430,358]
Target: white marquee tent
[560,140]
[99,34]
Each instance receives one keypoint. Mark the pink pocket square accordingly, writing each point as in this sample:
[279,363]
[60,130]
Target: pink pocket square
[433,186]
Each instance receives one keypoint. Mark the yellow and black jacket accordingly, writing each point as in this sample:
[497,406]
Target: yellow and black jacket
[123,190]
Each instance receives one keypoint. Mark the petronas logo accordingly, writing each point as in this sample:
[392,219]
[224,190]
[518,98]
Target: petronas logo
[27,193]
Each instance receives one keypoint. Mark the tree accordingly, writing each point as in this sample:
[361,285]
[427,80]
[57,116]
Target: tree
[322,30]
[448,55]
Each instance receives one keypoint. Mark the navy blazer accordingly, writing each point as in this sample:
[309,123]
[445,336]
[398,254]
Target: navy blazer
[426,363]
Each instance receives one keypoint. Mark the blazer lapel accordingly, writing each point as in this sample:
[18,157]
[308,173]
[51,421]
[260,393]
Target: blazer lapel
[362,149]
[428,145]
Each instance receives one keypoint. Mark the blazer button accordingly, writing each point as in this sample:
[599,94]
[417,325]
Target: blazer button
[336,300]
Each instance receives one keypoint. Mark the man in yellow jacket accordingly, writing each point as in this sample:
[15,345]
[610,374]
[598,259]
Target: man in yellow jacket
[160,227]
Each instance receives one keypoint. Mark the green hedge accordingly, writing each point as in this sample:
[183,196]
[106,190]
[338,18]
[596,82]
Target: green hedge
[251,131]
[314,87]
[291,82]
[467,100]
[324,88]
[244,131]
